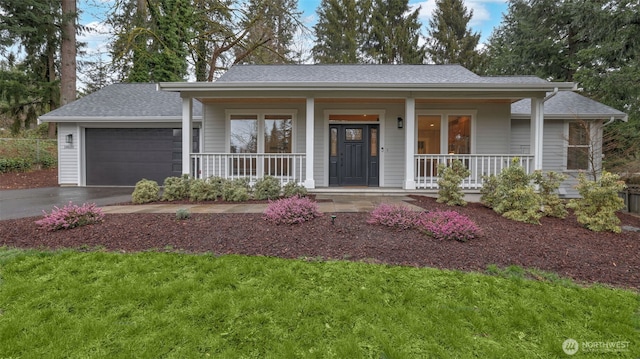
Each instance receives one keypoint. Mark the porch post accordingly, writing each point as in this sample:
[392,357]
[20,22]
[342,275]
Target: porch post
[537,131]
[187,126]
[309,182]
[409,136]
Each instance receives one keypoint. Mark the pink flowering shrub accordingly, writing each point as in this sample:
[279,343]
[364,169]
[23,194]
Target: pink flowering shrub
[447,225]
[71,216]
[395,216]
[291,210]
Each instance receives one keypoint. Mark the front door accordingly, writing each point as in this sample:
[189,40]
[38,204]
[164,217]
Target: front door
[353,155]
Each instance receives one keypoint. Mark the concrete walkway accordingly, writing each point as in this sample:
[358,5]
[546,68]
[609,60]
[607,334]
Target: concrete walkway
[326,203]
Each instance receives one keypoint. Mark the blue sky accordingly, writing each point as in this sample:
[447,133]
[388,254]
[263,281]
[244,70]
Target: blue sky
[487,14]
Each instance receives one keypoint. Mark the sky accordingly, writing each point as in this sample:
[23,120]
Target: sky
[487,14]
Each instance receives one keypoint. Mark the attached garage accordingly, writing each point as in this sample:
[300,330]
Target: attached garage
[121,157]
[120,135]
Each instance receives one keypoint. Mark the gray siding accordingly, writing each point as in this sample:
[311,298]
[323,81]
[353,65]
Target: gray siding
[520,139]
[68,155]
[394,147]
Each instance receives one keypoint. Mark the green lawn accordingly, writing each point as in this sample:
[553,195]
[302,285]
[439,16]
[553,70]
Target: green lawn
[149,305]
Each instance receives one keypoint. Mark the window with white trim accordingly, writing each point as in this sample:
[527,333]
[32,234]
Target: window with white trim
[261,141]
[578,146]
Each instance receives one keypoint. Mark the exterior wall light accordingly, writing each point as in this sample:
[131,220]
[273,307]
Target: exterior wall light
[69,138]
[400,122]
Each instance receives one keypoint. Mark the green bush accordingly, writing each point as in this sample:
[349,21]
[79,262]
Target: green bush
[145,191]
[176,188]
[597,208]
[548,184]
[236,190]
[514,196]
[14,165]
[451,178]
[489,190]
[182,214]
[292,189]
[267,187]
[203,190]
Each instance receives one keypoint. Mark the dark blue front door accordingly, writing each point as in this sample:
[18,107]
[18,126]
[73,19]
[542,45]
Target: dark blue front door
[353,155]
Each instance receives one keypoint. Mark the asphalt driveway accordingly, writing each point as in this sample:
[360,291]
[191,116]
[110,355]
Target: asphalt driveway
[31,202]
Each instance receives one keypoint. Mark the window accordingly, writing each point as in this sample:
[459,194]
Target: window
[259,140]
[579,146]
[244,134]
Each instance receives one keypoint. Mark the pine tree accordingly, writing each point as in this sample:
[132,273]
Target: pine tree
[152,39]
[336,32]
[451,40]
[392,33]
[30,35]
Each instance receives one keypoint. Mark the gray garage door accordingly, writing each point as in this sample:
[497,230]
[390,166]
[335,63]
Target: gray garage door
[121,157]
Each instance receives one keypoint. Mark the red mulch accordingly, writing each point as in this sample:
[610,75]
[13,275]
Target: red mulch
[558,245]
[31,179]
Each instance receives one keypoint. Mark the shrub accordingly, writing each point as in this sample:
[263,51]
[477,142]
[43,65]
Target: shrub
[203,190]
[514,197]
[236,190]
[292,189]
[597,208]
[291,210]
[267,187]
[548,184]
[451,178]
[393,215]
[176,188]
[182,214]
[14,165]
[71,216]
[145,191]
[489,190]
[448,225]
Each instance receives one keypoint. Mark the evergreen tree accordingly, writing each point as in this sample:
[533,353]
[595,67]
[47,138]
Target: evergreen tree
[272,26]
[451,40]
[596,43]
[391,33]
[30,35]
[152,39]
[336,32]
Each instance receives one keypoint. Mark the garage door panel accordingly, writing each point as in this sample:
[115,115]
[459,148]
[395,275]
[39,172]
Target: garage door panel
[122,157]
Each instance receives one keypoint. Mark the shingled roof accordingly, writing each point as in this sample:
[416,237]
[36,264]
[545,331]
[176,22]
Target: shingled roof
[126,101]
[568,105]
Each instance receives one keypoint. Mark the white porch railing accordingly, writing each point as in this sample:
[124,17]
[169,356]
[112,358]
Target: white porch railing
[426,167]
[287,167]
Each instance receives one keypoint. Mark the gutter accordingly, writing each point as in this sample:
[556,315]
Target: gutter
[613,118]
[555,92]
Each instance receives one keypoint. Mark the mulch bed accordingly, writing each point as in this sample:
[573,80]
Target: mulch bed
[560,246]
[31,179]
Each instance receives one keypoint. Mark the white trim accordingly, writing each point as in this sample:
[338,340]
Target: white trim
[589,146]
[444,126]
[107,119]
[381,135]
[409,145]
[537,131]
[310,108]
[260,114]
[187,134]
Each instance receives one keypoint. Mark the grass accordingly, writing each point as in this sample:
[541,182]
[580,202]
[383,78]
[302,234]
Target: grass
[150,305]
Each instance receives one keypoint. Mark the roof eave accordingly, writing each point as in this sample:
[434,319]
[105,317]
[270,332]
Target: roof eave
[113,119]
[196,87]
[552,116]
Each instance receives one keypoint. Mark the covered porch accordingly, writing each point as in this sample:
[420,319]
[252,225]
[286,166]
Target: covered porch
[378,125]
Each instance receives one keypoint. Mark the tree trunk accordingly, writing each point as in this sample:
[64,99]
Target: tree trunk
[68,53]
